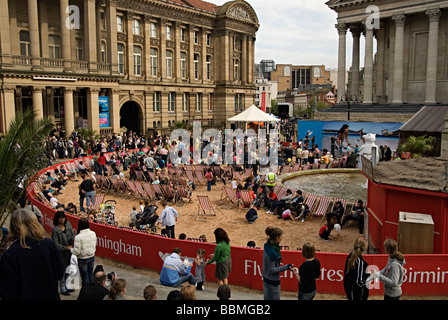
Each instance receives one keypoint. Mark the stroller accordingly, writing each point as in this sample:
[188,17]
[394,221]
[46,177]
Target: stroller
[148,218]
[107,213]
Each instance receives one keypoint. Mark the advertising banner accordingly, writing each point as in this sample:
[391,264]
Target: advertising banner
[104,111]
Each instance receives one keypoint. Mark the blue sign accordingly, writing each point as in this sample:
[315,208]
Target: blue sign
[104,111]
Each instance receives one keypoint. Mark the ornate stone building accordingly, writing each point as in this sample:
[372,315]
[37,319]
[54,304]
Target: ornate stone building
[410,66]
[149,63]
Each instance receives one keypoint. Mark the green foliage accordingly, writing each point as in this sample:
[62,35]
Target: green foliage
[87,133]
[418,146]
[22,156]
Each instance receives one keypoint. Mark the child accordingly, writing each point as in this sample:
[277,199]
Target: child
[325,231]
[133,216]
[287,214]
[308,273]
[209,177]
[200,269]
[304,211]
[252,214]
[142,206]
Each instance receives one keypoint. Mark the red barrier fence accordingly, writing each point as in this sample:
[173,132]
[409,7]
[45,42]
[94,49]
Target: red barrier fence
[425,275]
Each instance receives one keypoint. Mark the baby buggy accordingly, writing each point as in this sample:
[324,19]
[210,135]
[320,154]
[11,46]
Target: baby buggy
[107,212]
[148,218]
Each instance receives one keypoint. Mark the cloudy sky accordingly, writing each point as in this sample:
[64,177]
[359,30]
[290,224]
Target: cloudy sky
[299,32]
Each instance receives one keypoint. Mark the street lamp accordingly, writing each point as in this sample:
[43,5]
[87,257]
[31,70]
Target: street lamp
[349,100]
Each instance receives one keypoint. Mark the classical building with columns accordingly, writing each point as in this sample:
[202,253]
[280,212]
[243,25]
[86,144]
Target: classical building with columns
[408,69]
[140,64]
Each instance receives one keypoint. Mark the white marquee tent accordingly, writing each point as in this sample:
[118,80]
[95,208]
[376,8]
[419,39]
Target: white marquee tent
[253,114]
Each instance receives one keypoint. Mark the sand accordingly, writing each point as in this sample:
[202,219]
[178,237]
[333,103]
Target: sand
[233,221]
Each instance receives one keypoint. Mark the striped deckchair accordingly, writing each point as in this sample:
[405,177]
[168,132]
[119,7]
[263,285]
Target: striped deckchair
[344,205]
[311,200]
[149,190]
[168,193]
[200,176]
[190,175]
[133,189]
[246,199]
[158,191]
[181,195]
[98,201]
[139,176]
[205,208]
[296,167]
[281,192]
[322,207]
[228,195]
[140,191]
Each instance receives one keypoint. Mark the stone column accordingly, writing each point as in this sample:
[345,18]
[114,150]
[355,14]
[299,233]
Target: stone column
[379,66]
[69,111]
[90,34]
[244,69]
[368,68]
[114,102]
[65,35]
[433,45]
[146,52]
[38,104]
[130,45]
[5,37]
[342,31]
[93,109]
[356,33]
[400,21]
[33,23]
[111,18]
[9,107]
[444,143]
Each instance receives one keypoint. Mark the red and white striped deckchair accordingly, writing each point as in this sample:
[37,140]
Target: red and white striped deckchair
[246,199]
[140,176]
[281,192]
[158,191]
[98,201]
[149,190]
[181,195]
[322,207]
[205,208]
[238,176]
[190,175]
[139,190]
[200,176]
[296,167]
[228,195]
[133,189]
[311,201]
[168,193]
[344,205]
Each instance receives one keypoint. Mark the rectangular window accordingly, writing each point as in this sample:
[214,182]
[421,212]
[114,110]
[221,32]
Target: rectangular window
[210,102]
[198,102]
[183,65]
[196,37]
[168,32]
[153,30]
[185,102]
[54,46]
[208,39]
[239,102]
[196,66]
[120,27]
[153,60]
[136,26]
[103,51]
[120,51]
[156,102]
[209,67]
[102,20]
[236,70]
[183,33]
[25,43]
[79,49]
[172,102]
[169,64]
[137,60]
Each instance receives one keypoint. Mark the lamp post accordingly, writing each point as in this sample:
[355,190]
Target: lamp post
[349,100]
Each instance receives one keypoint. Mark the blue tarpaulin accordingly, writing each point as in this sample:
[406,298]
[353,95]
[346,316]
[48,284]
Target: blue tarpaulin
[323,130]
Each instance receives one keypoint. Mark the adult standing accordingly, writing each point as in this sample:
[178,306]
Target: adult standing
[87,187]
[392,274]
[84,249]
[63,236]
[221,256]
[31,267]
[271,264]
[168,218]
[355,272]
[102,164]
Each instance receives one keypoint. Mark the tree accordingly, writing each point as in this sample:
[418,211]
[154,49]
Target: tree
[22,156]
[417,146]
[274,107]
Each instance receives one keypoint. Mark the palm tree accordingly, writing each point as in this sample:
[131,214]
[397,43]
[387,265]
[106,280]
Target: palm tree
[22,156]
[417,146]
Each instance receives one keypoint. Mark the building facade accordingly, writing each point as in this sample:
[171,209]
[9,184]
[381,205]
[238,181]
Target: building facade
[410,65]
[134,64]
[290,77]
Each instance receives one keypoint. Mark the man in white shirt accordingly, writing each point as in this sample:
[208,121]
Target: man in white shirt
[168,218]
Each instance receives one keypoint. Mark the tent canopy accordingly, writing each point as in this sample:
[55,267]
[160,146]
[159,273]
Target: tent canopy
[253,113]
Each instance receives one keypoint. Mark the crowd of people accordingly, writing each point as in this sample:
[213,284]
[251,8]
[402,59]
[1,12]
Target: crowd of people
[70,251]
